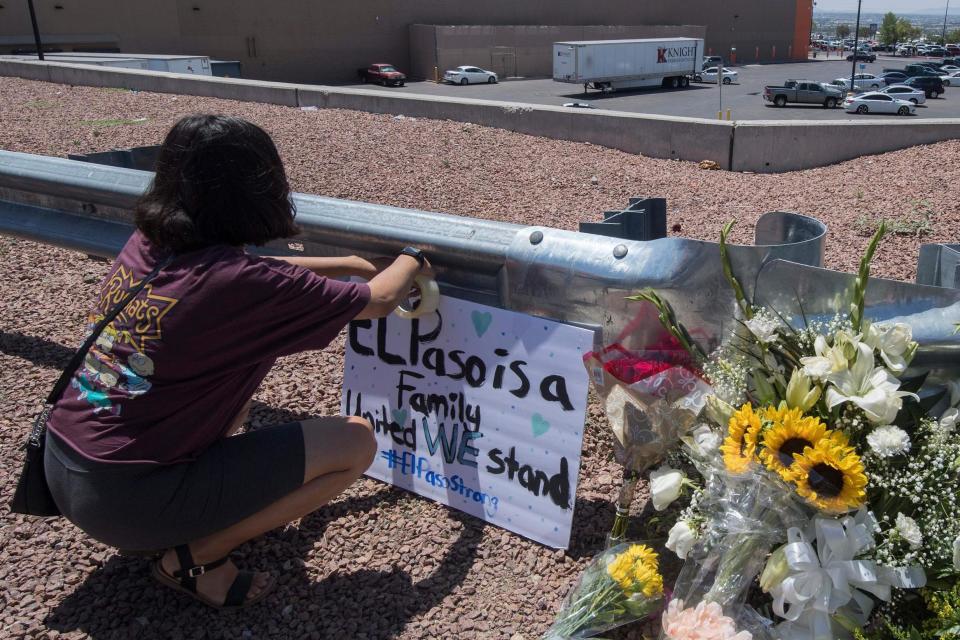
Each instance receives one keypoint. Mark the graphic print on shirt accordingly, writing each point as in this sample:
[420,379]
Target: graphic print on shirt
[117,362]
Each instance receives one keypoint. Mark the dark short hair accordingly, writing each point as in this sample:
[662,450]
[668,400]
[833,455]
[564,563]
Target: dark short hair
[219,180]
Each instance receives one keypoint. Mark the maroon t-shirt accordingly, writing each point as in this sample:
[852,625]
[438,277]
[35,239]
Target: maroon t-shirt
[167,377]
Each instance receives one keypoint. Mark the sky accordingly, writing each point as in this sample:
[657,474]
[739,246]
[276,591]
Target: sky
[897,6]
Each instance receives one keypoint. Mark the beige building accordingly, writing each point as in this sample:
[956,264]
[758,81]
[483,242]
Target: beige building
[326,41]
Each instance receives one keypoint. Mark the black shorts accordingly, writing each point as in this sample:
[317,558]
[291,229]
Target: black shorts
[144,506]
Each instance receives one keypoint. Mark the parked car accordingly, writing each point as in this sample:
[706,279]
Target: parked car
[951,80]
[710,75]
[931,86]
[876,102]
[861,82]
[903,92]
[863,55]
[950,68]
[385,74]
[465,74]
[938,52]
[893,77]
[803,91]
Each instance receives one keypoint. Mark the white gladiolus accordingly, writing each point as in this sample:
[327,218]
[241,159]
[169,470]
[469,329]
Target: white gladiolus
[888,441]
[681,539]
[873,389]
[764,328]
[956,554]
[909,530]
[665,485]
[894,342]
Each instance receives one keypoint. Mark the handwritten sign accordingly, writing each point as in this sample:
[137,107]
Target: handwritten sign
[477,408]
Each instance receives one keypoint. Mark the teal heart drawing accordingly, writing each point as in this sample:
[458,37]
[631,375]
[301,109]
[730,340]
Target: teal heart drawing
[481,321]
[400,416]
[539,424]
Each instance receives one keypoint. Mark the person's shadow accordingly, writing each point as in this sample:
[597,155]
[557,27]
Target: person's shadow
[119,600]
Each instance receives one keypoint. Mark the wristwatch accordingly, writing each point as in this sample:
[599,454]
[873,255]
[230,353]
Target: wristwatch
[415,253]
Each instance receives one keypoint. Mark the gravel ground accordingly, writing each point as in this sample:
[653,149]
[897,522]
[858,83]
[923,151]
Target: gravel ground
[379,563]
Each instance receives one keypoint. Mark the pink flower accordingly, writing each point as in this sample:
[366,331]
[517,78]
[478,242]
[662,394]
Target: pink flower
[703,622]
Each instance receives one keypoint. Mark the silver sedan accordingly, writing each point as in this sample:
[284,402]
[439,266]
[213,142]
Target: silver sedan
[903,92]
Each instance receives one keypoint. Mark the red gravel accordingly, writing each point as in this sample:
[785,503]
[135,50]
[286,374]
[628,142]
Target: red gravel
[378,563]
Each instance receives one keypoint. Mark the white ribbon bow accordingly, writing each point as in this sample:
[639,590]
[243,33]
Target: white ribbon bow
[826,578]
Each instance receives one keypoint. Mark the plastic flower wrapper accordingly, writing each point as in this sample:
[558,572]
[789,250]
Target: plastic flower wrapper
[651,397]
[621,585]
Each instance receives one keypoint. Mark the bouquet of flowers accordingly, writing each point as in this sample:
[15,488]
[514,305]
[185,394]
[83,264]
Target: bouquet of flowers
[827,449]
[621,585]
[652,396]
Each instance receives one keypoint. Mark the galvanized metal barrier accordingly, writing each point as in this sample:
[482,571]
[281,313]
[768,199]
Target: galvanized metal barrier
[574,277]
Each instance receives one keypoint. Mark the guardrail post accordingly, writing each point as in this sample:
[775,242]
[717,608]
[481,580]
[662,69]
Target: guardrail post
[643,219]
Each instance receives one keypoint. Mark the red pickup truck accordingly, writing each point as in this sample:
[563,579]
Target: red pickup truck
[385,74]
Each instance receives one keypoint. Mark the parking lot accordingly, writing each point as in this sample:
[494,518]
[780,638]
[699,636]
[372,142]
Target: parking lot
[743,98]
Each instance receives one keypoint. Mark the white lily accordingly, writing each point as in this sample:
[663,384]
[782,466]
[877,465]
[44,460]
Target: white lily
[830,359]
[665,486]
[873,389]
[800,393]
[894,342]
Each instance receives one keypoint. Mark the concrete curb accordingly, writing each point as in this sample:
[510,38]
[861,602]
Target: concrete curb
[761,146]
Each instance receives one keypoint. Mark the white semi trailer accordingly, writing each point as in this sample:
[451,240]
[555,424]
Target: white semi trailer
[608,65]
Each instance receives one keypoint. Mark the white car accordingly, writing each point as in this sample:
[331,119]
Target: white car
[469,75]
[710,75]
[951,80]
[903,92]
[876,102]
[861,82]
[950,68]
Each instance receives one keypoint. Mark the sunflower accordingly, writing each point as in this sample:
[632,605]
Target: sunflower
[636,570]
[643,553]
[790,433]
[739,448]
[830,474]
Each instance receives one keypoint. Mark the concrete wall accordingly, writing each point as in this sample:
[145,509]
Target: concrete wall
[771,146]
[759,146]
[326,41]
[515,50]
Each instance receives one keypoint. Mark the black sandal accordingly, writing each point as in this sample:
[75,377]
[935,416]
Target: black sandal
[185,580]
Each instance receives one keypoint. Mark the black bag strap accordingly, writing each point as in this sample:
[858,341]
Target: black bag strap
[81,353]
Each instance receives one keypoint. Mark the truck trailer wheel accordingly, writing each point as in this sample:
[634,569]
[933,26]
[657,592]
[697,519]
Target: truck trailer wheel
[684,82]
[780,101]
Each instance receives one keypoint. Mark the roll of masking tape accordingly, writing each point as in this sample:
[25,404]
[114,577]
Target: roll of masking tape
[429,299]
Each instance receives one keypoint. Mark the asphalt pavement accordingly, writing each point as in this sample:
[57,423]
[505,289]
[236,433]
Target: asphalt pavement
[743,98]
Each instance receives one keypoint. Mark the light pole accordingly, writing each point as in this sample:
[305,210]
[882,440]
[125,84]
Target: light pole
[856,44]
[945,24]
[36,29]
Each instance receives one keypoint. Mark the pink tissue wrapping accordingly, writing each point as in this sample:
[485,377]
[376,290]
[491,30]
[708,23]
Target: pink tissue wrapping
[703,622]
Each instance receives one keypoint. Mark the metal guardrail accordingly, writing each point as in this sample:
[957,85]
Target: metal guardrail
[577,278]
